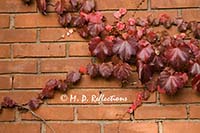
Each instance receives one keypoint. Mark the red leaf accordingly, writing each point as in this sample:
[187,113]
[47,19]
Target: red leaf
[122,71]
[194,67]
[120,26]
[151,36]
[59,7]
[125,48]
[82,70]
[196,83]
[94,29]
[122,11]
[63,85]
[165,20]
[88,6]
[8,102]
[178,54]
[183,26]
[73,77]
[42,6]
[93,70]
[48,90]
[144,71]
[65,19]
[106,69]
[158,62]
[117,15]
[100,48]
[145,52]
[171,81]
[74,3]
[34,104]
[78,21]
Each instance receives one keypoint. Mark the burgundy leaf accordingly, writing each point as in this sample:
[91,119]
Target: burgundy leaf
[74,3]
[60,7]
[63,85]
[197,31]
[145,52]
[183,26]
[178,55]
[78,21]
[34,104]
[48,90]
[73,77]
[88,6]
[8,103]
[64,19]
[106,69]
[194,67]
[144,71]
[194,45]
[83,32]
[171,81]
[95,29]
[151,36]
[196,83]
[141,22]
[100,48]
[125,48]
[122,71]
[152,85]
[42,6]
[93,70]
[165,20]
[158,62]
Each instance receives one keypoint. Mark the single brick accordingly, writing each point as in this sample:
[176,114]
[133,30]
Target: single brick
[37,20]
[78,49]
[194,111]
[5,82]
[39,50]
[17,35]
[18,66]
[181,127]
[174,3]
[140,127]
[51,113]
[20,127]
[4,21]
[160,112]
[74,128]
[5,51]
[7,115]
[102,113]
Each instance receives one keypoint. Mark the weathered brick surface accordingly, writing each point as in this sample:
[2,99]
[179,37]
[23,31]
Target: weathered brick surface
[33,50]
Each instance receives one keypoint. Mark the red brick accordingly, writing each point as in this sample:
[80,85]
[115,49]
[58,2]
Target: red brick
[17,35]
[102,113]
[75,127]
[4,21]
[34,81]
[5,51]
[191,15]
[186,95]
[55,34]
[19,96]
[7,115]
[174,3]
[139,127]
[160,112]
[5,82]
[79,49]
[63,65]
[37,20]
[18,66]
[16,6]
[39,50]
[194,111]
[112,4]
[67,98]
[51,113]
[129,94]
[181,127]
[20,127]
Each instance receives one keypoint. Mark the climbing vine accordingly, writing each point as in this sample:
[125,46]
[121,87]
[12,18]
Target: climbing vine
[173,59]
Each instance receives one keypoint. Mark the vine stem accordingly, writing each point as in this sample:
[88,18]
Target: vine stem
[137,7]
[37,116]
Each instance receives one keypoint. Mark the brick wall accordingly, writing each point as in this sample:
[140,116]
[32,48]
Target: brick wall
[30,55]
